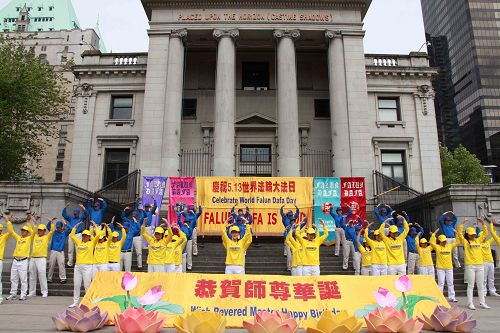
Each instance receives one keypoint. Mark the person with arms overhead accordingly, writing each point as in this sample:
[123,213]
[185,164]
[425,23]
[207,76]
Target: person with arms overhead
[396,264]
[73,220]
[379,250]
[340,223]
[448,221]
[157,247]
[57,250]
[311,247]
[38,262]
[236,247]
[4,237]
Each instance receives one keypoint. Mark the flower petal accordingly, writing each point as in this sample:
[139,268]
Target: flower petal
[403,283]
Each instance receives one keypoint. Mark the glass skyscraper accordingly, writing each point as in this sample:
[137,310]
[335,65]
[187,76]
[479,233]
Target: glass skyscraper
[464,42]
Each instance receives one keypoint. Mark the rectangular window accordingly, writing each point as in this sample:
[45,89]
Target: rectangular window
[44,48]
[121,107]
[322,108]
[394,165]
[255,160]
[62,142]
[64,129]
[66,48]
[64,58]
[115,165]
[255,76]
[60,165]
[189,109]
[388,109]
[60,152]
[58,177]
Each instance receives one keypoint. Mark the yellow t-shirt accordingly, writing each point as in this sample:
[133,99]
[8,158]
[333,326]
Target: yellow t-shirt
[115,248]
[424,254]
[180,249]
[366,256]
[486,248]
[41,244]
[235,250]
[472,249]
[296,248]
[84,250]
[379,249]
[157,248]
[4,237]
[494,235]
[23,244]
[395,247]
[171,251]
[443,253]
[101,252]
[310,256]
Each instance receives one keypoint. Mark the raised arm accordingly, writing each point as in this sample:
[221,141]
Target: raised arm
[405,230]
[494,233]
[10,229]
[225,238]
[367,235]
[484,233]
[325,231]
[297,213]
[200,210]
[65,213]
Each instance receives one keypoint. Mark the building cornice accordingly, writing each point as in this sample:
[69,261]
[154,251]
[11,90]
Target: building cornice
[109,70]
[149,5]
[381,71]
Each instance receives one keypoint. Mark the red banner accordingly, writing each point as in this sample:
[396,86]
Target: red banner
[353,194]
[181,195]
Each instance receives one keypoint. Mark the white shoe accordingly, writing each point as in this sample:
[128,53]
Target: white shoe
[471,306]
[494,294]
[484,306]
[44,296]
[31,295]
[1,300]
[453,300]
[74,305]
[22,298]
[11,297]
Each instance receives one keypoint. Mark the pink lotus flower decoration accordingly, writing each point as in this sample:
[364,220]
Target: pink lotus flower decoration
[403,284]
[271,322]
[129,281]
[138,321]
[448,320]
[385,298]
[80,319]
[152,296]
[390,320]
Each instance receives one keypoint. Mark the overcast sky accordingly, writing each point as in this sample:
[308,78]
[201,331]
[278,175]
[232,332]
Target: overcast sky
[392,26]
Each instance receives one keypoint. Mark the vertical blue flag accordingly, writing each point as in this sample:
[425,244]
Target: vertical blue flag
[326,195]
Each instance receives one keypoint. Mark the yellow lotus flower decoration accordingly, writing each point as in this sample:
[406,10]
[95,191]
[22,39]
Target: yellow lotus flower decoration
[341,322]
[200,322]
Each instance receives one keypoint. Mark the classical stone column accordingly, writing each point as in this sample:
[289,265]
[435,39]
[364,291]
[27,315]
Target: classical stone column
[288,110]
[338,106]
[171,141]
[225,103]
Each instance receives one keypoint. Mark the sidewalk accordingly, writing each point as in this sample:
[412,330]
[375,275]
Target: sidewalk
[35,314]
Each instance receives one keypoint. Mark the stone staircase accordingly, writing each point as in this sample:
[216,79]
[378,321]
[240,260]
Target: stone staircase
[265,256]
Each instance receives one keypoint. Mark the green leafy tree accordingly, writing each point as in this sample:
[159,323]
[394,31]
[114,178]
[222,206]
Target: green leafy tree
[33,99]
[461,167]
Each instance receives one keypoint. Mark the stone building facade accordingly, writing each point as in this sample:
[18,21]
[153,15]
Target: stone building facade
[255,88]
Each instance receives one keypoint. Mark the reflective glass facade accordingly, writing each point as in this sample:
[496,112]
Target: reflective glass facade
[464,42]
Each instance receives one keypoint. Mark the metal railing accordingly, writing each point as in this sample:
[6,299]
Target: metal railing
[197,162]
[123,190]
[316,163]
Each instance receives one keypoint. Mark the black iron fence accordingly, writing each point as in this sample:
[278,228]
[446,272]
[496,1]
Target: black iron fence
[316,163]
[256,164]
[122,190]
[197,162]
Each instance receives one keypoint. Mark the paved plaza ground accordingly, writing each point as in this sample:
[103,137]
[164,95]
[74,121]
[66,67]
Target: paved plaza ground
[35,314]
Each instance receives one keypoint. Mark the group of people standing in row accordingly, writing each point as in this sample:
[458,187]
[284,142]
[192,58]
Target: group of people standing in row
[100,246]
[397,246]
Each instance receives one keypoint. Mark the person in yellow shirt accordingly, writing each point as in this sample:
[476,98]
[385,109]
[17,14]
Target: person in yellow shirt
[101,249]
[115,248]
[474,268]
[497,240]
[444,262]
[426,265]
[489,267]
[4,237]
[180,250]
[157,247]
[172,251]
[366,255]
[396,263]
[296,249]
[310,247]
[19,270]
[379,250]
[84,261]
[236,247]
[38,261]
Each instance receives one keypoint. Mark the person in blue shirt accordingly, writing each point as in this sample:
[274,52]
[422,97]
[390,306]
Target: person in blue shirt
[351,229]
[57,244]
[96,209]
[191,216]
[383,212]
[131,228]
[188,227]
[413,258]
[448,221]
[133,217]
[340,220]
[147,211]
[72,222]
[246,214]
[287,219]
